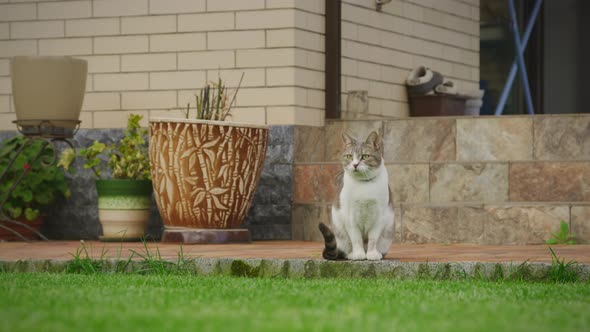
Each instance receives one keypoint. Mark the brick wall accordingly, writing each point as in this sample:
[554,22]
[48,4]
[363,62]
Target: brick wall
[379,49]
[149,56]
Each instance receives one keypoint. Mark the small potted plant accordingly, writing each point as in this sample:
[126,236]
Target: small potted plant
[42,184]
[205,170]
[124,200]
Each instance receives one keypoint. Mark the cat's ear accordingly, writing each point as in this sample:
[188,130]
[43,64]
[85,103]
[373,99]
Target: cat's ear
[346,139]
[374,140]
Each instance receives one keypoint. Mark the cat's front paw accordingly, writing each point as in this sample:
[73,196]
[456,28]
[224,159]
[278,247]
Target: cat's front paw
[357,256]
[374,256]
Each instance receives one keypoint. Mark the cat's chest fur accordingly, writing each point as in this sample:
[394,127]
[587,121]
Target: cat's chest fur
[363,200]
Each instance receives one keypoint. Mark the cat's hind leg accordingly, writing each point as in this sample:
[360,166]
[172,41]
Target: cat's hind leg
[386,238]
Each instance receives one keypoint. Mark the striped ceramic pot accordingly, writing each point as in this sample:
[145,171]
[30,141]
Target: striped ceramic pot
[123,208]
[204,172]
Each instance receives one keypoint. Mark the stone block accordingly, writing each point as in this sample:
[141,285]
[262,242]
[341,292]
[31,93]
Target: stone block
[550,182]
[505,138]
[357,129]
[408,183]
[419,140]
[562,138]
[522,224]
[315,183]
[306,218]
[580,223]
[442,224]
[310,144]
[477,182]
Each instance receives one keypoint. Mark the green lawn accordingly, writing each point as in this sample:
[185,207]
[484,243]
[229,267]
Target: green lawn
[119,302]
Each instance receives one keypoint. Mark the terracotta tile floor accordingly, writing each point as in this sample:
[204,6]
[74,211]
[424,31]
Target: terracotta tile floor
[63,250]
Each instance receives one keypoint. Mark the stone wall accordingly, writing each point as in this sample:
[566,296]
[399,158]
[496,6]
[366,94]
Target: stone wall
[486,180]
[268,218]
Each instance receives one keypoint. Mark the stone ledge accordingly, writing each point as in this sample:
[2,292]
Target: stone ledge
[316,268]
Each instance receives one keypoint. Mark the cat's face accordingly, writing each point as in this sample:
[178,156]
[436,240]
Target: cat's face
[361,159]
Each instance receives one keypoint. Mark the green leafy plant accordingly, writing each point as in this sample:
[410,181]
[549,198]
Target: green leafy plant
[563,236]
[127,158]
[562,271]
[213,101]
[40,187]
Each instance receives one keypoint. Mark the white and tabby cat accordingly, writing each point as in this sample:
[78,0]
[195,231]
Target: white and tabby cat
[362,217]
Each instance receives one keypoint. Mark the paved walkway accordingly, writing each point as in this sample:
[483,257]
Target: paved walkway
[63,250]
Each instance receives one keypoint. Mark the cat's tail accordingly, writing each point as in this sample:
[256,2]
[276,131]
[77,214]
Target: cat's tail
[331,250]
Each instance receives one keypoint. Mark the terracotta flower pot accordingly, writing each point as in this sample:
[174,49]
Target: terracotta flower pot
[205,173]
[6,235]
[48,93]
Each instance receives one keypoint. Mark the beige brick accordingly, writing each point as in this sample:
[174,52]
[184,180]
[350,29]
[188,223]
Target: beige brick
[231,78]
[86,120]
[266,19]
[5,85]
[4,31]
[235,40]
[110,119]
[291,115]
[308,5]
[271,96]
[100,101]
[18,12]
[206,22]
[177,80]
[234,5]
[265,57]
[103,63]
[369,35]
[38,29]
[291,76]
[176,6]
[349,67]
[65,9]
[310,59]
[121,82]
[102,8]
[170,113]
[17,47]
[6,121]
[4,67]
[148,24]
[123,44]
[93,27]
[148,62]
[178,42]
[315,98]
[149,100]
[68,46]
[369,70]
[249,115]
[4,104]
[295,38]
[206,60]
[349,31]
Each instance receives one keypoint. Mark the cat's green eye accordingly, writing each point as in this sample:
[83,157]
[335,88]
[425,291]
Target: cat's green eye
[365,157]
[348,156]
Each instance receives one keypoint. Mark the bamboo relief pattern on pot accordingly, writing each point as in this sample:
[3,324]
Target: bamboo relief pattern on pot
[205,175]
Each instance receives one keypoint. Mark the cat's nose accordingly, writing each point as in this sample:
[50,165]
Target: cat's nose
[355,165]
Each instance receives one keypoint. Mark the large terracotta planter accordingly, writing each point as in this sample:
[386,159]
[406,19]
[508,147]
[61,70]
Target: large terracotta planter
[48,93]
[205,173]
[123,208]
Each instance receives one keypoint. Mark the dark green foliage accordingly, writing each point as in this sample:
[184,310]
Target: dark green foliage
[562,271]
[40,187]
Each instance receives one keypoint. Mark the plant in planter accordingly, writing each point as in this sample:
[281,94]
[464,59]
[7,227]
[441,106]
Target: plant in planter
[124,200]
[43,183]
[205,170]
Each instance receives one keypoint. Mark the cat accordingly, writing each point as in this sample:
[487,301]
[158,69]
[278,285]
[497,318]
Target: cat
[362,216]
